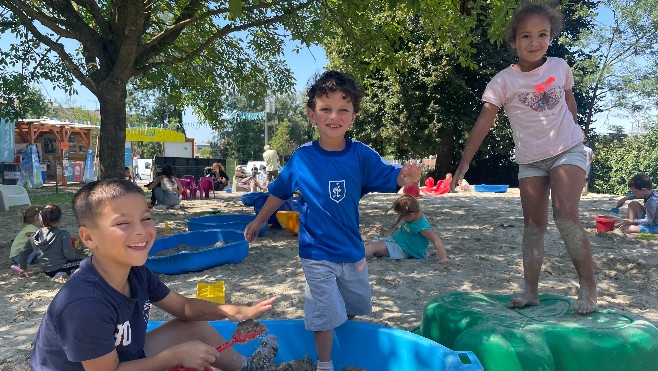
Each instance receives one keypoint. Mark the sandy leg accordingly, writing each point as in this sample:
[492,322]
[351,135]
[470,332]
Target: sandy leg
[533,256]
[579,249]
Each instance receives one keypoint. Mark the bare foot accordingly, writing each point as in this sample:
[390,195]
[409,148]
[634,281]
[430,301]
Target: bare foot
[523,301]
[586,302]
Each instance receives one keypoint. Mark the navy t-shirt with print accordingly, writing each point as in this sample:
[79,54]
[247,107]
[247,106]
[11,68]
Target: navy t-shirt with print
[88,318]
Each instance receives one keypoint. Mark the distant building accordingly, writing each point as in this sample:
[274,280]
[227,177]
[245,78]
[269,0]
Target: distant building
[199,146]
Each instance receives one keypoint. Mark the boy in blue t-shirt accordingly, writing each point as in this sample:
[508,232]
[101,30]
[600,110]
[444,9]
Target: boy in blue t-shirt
[97,321]
[332,173]
[640,219]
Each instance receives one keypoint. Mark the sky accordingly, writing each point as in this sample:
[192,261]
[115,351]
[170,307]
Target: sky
[304,66]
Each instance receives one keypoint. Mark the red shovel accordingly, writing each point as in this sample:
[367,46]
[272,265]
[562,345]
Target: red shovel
[244,332]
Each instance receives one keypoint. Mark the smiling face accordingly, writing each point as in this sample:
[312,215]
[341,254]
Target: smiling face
[333,115]
[122,233]
[531,41]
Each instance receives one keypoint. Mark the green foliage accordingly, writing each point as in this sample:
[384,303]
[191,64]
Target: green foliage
[194,52]
[428,104]
[293,128]
[617,160]
[205,152]
[149,149]
[242,140]
[429,107]
[18,99]
[615,58]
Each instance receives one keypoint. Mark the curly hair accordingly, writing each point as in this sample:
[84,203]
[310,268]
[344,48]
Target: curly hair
[332,81]
[532,9]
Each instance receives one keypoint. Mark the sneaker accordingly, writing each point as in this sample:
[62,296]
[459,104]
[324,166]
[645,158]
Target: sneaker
[176,207]
[263,355]
[160,207]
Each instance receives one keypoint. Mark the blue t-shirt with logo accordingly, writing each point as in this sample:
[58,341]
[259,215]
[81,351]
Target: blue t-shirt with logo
[331,184]
[88,318]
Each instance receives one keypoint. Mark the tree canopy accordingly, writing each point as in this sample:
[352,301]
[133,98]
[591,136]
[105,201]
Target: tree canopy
[198,52]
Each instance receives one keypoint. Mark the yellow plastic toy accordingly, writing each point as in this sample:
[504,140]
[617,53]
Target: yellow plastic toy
[289,220]
[211,291]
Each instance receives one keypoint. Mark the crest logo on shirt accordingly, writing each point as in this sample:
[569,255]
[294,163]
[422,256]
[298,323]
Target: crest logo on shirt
[337,190]
[541,101]
[147,310]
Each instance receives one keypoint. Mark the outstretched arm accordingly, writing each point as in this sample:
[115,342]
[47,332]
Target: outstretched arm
[478,133]
[440,249]
[271,206]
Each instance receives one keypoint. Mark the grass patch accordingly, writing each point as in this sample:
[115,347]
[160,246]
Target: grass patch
[62,196]
[57,199]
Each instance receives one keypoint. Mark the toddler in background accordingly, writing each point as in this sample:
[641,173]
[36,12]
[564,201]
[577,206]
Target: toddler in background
[641,219]
[411,239]
[31,224]
[52,244]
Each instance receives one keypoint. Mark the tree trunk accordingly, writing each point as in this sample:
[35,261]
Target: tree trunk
[444,155]
[112,99]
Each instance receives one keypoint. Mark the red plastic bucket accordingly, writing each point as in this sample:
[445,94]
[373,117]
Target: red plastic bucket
[604,224]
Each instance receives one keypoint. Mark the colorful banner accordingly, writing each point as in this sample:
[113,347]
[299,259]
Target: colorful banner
[153,134]
[77,171]
[6,141]
[31,168]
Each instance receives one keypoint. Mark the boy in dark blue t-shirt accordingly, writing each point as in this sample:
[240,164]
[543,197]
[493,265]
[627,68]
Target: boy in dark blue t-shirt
[98,319]
[332,173]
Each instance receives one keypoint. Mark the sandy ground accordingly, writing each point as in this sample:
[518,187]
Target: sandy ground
[482,233]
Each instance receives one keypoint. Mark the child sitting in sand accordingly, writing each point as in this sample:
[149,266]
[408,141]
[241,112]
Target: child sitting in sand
[641,219]
[52,244]
[31,224]
[97,320]
[411,239]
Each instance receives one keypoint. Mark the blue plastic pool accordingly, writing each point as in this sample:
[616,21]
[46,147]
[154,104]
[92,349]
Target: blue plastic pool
[223,221]
[234,249]
[359,344]
[498,188]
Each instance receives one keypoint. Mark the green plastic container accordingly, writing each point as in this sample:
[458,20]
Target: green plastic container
[547,337]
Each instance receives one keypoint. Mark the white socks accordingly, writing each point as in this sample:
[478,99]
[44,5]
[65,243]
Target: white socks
[325,366]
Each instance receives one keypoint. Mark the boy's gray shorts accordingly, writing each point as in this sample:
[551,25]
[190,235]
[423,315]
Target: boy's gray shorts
[334,291]
[576,155]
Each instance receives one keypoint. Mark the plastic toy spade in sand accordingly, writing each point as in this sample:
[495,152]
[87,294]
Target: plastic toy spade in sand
[245,332]
[614,210]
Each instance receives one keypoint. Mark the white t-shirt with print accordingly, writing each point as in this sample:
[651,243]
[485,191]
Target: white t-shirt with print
[534,101]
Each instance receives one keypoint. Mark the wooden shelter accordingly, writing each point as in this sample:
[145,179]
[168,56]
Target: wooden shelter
[60,143]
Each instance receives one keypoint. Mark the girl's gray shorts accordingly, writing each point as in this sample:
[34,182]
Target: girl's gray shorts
[576,155]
